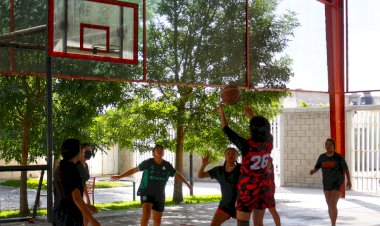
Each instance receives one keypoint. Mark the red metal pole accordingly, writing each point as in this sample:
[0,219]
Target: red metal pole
[335,62]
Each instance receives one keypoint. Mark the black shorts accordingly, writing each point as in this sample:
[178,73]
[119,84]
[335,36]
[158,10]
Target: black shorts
[332,187]
[158,202]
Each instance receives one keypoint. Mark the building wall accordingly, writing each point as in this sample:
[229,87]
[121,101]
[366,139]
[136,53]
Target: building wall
[304,133]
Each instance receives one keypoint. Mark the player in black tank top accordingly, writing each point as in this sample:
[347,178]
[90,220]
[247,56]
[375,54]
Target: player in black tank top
[228,177]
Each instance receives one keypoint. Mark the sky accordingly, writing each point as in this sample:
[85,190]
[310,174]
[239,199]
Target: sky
[308,46]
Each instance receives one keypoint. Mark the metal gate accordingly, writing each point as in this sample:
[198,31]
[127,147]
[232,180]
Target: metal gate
[276,153]
[365,150]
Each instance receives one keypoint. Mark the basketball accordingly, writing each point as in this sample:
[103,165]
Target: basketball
[230,94]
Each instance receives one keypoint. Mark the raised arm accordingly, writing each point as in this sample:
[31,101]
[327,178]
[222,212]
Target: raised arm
[223,119]
[248,111]
[126,174]
[201,171]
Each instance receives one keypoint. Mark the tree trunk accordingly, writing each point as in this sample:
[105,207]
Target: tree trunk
[24,208]
[177,193]
[185,94]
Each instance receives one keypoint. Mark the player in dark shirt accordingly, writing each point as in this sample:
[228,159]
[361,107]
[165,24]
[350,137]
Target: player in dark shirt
[254,187]
[334,168]
[228,177]
[84,173]
[69,207]
[156,172]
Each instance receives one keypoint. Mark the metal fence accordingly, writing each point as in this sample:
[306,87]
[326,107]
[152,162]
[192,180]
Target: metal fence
[276,153]
[365,150]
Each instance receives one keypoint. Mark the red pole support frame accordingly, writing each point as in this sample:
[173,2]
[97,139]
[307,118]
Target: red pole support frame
[335,62]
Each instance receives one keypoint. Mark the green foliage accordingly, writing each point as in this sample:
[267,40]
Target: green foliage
[23,116]
[323,105]
[155,119]
[304,104]
[203,41]
[193,45]
[33,184]
[169,202]
[110,184]
[10,214]
[77,103]
[188,42]
[126,205]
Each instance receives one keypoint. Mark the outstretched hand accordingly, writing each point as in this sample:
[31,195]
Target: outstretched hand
[115,177]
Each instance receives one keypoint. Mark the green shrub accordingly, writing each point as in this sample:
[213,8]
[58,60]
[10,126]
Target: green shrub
[33,184]
[126,205]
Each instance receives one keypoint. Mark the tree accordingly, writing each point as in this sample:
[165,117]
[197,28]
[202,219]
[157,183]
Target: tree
[23,121]
[23,98]
[204,42]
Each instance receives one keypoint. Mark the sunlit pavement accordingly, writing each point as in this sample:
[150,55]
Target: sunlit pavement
[296,206]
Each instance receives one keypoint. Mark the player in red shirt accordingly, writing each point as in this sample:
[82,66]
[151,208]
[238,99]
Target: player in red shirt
[254,187]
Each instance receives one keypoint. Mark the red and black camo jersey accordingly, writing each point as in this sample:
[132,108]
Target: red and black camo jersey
[255,155]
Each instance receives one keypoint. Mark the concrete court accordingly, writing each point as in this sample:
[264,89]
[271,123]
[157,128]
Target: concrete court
[296,206]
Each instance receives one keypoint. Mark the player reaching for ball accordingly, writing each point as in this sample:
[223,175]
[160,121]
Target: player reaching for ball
[156,172]
[254,188]
[228,177]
